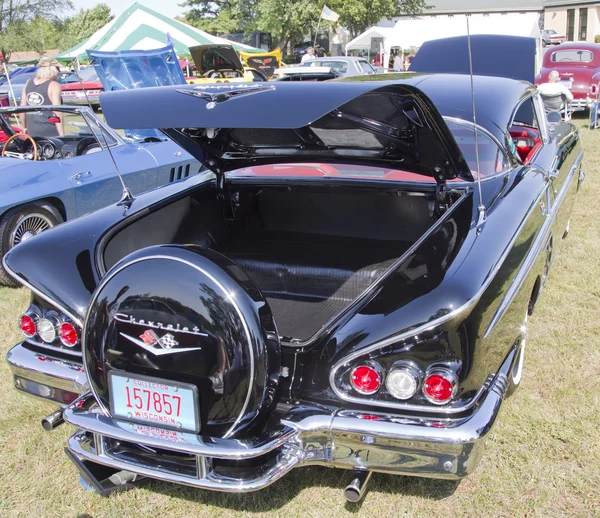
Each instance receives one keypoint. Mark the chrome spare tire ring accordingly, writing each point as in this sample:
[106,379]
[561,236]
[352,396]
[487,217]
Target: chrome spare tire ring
[29,226]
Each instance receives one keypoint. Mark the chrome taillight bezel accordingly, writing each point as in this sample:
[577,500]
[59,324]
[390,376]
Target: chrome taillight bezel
[446,374]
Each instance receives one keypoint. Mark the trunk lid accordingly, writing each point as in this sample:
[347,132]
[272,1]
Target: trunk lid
[215,57]
[231,126]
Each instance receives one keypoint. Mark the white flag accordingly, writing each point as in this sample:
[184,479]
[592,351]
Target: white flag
[328,14]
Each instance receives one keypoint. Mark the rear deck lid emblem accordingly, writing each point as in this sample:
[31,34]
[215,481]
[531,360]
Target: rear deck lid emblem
[158,346]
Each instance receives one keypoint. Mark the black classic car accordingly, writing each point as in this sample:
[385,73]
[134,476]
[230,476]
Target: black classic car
[347,284]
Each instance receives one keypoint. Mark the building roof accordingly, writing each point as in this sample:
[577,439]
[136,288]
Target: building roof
[482,6]
[30,56]
[560,3]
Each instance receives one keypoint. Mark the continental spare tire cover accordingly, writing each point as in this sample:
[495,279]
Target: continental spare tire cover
[187,315]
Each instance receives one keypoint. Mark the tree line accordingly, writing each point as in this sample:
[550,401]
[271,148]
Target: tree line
[290,20]
[40,25]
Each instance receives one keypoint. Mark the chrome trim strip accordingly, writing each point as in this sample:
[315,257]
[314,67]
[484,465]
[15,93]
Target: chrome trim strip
[228,296]
[535,248]
[427,326]
[76,320]
[54,348]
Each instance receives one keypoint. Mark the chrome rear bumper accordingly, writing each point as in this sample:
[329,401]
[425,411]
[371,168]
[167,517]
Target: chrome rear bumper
[45,375]
[307,435]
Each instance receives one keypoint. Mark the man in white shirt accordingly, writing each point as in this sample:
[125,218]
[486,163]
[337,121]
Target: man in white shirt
[398,63]
[310,54]
[554,93]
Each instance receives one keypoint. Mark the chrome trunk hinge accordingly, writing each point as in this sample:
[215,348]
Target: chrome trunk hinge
[223,193]
[441,194]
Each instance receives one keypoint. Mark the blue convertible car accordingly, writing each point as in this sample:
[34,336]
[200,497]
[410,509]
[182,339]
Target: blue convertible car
[46,180]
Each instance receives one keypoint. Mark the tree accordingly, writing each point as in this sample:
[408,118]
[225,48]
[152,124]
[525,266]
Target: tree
[85,23]
[287,21]
[292,20]
[358,15]
[16,17]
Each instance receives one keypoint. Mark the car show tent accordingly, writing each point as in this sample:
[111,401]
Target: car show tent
[140,28]
[409,32]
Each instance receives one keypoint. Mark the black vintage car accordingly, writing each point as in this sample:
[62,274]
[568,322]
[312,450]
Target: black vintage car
[347,284]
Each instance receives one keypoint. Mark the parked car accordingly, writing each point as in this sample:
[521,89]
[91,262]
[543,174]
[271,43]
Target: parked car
[551,37]
[81,87]
[48,180]
[18,83]
[221,64]
[343,66]
[579,68]
[348,284]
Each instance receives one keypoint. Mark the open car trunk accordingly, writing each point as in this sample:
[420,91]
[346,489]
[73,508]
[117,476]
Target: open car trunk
[312,250]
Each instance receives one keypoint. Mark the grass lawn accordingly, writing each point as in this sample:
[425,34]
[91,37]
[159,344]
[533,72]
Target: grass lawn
[543,458]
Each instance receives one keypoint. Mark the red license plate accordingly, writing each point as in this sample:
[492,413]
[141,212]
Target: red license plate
[161,403]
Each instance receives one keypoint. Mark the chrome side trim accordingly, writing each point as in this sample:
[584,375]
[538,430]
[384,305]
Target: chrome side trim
[535,248]
[227,295]
[76,320]
[427,326]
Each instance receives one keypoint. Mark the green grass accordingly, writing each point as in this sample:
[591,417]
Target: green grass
[543,458]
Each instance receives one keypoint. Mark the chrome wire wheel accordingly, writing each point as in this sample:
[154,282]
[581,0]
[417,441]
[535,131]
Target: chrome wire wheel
[29,226]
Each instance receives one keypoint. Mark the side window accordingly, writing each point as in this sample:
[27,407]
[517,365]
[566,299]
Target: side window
[102,136]
[492,158]
[366,68]
[526,116]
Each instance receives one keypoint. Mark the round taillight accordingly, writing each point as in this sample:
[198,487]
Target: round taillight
[439,386]
[47,330]
[366,379]
[68,334]
[27,325]
[402,382]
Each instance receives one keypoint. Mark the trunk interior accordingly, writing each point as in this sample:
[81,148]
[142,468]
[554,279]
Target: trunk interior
[311,250]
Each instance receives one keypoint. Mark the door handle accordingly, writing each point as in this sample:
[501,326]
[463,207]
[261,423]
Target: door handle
[79,176]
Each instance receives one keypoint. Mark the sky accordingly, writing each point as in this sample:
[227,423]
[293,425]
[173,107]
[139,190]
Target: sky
[169,8]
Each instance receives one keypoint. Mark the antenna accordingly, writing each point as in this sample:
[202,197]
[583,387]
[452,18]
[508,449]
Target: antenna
[127,197]
[481,207]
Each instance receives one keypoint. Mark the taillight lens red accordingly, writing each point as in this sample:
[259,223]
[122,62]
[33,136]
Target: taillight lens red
[68,334]
[27,325]
[439,387]
[365,379]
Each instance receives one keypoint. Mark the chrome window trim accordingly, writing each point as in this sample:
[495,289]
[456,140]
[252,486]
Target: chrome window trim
[228,296]
[536,247]
[489,134]
[529,97]
[542,119]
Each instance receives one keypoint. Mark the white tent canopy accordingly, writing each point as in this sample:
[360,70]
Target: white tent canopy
[363,41]
[413,32]
[141,28]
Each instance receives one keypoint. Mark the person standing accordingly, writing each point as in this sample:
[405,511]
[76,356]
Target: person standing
[42,90]
[310,54]
[398,63]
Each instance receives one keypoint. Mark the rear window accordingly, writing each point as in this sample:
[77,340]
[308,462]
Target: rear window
[579,56]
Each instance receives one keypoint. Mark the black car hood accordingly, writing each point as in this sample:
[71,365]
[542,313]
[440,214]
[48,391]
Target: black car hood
[215,57]
[232,126]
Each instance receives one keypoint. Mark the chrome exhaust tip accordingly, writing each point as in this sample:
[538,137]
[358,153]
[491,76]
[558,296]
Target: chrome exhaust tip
[55,419]
[356,490]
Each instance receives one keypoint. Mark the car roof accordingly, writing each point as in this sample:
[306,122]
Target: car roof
[575,45]
[340,58]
